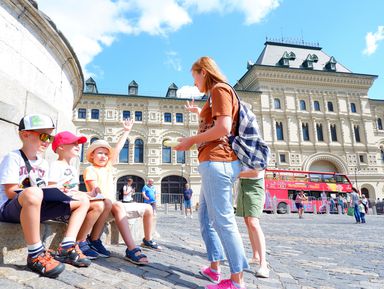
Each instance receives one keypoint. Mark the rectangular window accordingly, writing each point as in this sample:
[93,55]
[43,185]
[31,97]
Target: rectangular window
[282,158]
[319,130]
[126,114]
[179,117]
[333,132]
[353,107]
[95,114]
[357,133]
[82,113]
[279,131]
[180,156]
[361,158]
[138,115]
[304,126]
[167,117]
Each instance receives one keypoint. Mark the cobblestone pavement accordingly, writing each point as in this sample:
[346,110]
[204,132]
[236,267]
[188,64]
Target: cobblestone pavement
[323,251]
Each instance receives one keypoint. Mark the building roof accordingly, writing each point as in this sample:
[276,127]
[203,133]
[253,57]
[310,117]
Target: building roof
[297,55]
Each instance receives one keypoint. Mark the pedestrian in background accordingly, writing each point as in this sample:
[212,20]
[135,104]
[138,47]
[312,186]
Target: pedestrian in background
[219,168]
[355,204]
[149,195]
[299,203]
[362,211]
[128,191]
[187,193]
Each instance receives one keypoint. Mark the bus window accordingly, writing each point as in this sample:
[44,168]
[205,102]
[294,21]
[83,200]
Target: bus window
[329,178]
[315,178]
[341,180]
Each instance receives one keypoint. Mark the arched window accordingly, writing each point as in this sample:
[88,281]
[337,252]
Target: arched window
[93,139]
[279,131]
[333,132]
[303,105]
[305,129]
[353,107]
[316,105]
[166,154]
[356,129]
[124,153]
[330,106]
[82,153]
[319,130]
[277,103]
[139,151]
[379,124]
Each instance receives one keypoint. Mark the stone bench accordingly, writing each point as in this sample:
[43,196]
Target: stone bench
[13,247]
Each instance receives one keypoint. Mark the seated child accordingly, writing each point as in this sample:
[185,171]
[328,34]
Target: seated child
[66,178]
[99,177]
[25,169]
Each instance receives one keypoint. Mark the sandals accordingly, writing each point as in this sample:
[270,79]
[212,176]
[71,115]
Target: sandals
[131,256]
[150,245]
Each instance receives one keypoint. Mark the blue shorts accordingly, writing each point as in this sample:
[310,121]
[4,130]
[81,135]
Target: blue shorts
[299,205]
[187,204]
[11,209]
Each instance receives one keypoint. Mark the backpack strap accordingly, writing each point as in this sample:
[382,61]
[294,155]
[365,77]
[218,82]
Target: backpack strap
[27,163]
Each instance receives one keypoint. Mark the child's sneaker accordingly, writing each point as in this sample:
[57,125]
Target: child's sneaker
[45,265]
[98,246]
[225,284]
[73,256]
[210,275]
[150,245]
[87,251]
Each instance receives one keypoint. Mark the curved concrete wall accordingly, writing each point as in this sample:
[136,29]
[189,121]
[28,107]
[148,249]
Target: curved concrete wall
[39,72]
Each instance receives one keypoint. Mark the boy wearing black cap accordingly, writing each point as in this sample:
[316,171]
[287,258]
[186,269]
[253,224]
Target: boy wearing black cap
[26,170]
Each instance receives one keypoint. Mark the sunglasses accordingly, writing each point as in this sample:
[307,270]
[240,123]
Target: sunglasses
[44,137]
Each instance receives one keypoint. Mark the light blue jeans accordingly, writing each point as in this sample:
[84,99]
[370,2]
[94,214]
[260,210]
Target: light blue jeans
[217,220]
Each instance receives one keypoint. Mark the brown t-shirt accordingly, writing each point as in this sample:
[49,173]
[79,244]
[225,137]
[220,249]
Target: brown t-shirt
[222,102]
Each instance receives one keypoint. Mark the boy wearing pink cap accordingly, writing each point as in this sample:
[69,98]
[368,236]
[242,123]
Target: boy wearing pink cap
[65,176]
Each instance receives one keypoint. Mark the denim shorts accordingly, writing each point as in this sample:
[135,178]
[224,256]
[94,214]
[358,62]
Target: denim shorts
[11,209]
[187,204]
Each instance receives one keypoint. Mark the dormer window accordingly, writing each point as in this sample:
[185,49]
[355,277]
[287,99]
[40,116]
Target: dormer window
[308,62]
[331,64]
[284,60]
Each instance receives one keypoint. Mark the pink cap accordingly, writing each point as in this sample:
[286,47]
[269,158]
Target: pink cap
[66,137]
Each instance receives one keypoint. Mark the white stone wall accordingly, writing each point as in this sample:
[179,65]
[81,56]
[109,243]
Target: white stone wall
[38,71]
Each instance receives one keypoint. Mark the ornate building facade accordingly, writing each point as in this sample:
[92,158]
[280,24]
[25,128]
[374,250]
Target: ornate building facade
[314,113]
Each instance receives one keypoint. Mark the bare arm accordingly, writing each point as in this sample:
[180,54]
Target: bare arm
[9,190]
[127,124]
[191,107]
[222,127]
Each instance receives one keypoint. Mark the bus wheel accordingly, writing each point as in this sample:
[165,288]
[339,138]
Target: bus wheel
[282,208]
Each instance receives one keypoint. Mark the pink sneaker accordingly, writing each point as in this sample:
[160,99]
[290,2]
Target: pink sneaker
[225,284]
[210,275]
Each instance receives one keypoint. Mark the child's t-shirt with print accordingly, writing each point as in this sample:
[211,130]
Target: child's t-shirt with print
[14,171]
[64,175]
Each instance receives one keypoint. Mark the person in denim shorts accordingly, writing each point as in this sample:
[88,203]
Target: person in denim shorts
[219,168]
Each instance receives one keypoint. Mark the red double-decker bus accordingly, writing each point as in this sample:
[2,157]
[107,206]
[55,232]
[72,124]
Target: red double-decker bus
[281,187]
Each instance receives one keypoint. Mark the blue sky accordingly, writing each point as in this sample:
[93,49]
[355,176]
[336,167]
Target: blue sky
[155,42]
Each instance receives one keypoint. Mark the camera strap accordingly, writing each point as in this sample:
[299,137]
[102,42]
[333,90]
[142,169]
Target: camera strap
[27,163]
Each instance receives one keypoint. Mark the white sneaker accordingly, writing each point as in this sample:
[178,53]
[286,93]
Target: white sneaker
[191,217]
[262,273]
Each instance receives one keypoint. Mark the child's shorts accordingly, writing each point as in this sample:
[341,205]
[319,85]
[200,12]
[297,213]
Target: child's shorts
[250,198]
[187,204]
[10,211]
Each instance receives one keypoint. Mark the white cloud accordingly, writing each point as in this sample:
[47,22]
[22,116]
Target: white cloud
[173,60]
[189,92]
[95,24]
[371,40]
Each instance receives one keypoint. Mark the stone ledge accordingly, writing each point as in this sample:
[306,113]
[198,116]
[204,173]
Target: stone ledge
[12,242]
